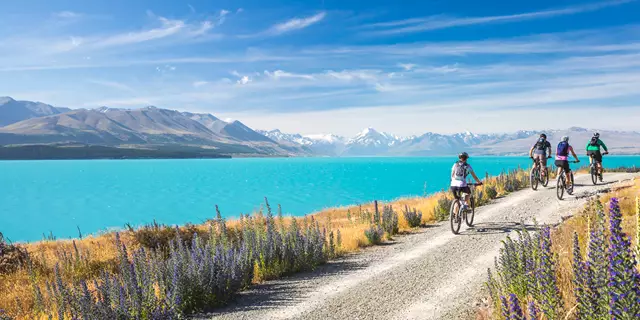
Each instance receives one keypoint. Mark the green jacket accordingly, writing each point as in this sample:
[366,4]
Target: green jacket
[597,146]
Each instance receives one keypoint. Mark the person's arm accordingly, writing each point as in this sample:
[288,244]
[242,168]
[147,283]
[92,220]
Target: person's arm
[574,154]
[550,150]
[587,147]
[473,174]
[603,146]
[531,152]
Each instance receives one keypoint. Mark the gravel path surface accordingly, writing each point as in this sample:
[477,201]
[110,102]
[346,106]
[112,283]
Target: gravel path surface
[429,275]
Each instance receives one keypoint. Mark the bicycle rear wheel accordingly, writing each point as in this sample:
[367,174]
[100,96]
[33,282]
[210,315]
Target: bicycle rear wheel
[560,185]
[471,211]
[455,216]
[594,174]
[533,178]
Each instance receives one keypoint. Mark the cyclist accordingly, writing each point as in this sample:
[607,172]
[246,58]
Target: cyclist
[459,172]
[562,160]
[539,152]
[593,151]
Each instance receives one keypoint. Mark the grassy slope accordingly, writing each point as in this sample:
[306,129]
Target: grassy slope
[17,297]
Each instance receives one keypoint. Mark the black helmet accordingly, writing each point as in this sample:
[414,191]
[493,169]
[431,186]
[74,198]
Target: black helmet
[463,155]
[596,134]
[543,136]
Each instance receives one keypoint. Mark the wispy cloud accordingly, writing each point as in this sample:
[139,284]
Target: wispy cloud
[113,84]
[442,22]
[67,15]
[296,24]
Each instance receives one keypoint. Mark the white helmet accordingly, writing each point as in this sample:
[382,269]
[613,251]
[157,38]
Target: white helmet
[565,138]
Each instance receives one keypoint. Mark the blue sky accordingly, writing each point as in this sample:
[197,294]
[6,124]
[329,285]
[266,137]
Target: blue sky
[406,67]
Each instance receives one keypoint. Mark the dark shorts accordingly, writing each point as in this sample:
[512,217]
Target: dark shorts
[457,190]
[597,155]
[564,164]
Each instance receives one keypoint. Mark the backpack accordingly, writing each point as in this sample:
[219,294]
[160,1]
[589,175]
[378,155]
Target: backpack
[541,144]
[563,149]
[460,172]
[594,142]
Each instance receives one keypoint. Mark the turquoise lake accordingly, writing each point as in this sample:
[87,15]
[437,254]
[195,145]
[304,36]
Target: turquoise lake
[39,197]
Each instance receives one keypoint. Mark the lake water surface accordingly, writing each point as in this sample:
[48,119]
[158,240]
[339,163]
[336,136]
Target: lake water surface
[39,197]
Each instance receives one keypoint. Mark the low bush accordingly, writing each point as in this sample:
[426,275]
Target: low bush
[374,234]
[441,211]
[412,216]
[12,257]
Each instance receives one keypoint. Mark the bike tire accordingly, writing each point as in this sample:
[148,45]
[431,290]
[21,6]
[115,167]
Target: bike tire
[455,222]
[471,212]
[573,185]
[533,179]
[545,181]
[560,186]
[594,175]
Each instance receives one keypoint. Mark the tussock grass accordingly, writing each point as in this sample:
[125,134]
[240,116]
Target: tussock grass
[344,231]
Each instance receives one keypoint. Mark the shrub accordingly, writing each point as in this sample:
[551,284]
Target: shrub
[374,234]
[441,211]
[12,257]
[389,221]
[412,216]
[159,237]
[491,192]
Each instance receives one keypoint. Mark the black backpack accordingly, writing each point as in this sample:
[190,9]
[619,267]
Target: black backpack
[594,142]
[541,144]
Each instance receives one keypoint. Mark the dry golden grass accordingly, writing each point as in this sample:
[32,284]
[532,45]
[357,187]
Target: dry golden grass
[100,252]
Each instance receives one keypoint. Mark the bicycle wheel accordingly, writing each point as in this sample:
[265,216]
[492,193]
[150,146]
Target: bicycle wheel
[471,211]
[545,179]
[560,186]
[454,216]
[573,184]
[594,174]
[533,178]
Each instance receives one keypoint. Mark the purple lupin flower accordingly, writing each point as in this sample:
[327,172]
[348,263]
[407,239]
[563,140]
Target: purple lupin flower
[515,312]
[504,307]
[549,294]
[533,310]
[624,281]
[579,279]
[596,277]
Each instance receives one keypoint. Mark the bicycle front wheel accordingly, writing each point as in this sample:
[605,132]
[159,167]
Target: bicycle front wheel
[533,178]
[560,186]
[471,212]
[455,216]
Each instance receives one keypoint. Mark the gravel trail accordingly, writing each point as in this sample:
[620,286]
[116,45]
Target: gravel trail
[432,274]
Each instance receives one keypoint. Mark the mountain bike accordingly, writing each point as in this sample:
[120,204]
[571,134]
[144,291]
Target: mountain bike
[561,184]
[536,175]
[457,212]
[593,169]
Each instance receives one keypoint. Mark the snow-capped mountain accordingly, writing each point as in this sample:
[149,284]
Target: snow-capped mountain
[316,144]
[371,142]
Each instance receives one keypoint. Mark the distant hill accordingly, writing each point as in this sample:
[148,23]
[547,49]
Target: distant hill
[12,111]
[44,124]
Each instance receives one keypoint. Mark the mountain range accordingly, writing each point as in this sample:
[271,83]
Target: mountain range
[27,123]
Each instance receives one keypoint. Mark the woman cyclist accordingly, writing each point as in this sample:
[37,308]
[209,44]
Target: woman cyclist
[459,172]
[562,160]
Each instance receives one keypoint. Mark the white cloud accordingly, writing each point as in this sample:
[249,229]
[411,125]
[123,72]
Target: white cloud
[113,84]
[296,24]
[278,74]
[244,80]
[443,22]
[407,66]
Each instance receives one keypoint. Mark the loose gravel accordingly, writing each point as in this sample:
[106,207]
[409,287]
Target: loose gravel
[432,274]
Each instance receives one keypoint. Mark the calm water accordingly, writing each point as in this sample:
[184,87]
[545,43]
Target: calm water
[37,197]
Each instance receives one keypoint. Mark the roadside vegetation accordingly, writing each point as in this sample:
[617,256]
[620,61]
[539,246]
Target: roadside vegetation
[164,272]
[586,268]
